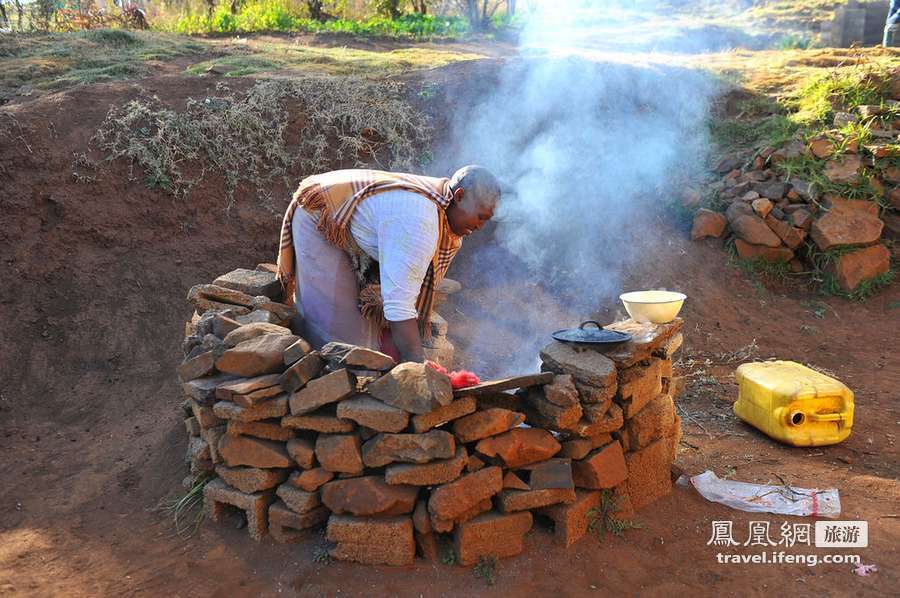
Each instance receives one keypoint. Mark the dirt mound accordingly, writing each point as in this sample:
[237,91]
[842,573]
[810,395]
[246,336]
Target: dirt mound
[95,275]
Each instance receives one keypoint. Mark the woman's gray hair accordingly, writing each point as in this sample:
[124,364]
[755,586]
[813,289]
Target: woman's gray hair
[477,182]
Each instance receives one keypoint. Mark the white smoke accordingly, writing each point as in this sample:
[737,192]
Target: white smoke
[588,149]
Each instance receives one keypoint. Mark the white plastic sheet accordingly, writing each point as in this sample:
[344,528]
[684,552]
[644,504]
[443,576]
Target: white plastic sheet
[762,498]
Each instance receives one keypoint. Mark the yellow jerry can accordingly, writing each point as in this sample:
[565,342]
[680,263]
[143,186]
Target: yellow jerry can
[793,403]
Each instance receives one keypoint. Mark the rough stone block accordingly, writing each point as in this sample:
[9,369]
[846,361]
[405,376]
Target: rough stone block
[491,534]
[372,413]
[251,479]
[368,496]
[441,415]
[257,356]
[656,420]
[551,474]
[268,429]
[254,452]
[299,501]
[244,386]
[251,282]
[408,448]
[428,474]
[330,388]
[520,446]
[510,501]
[339,453]
[648,473]
[287,527]
[324,422]
[482,424]
[274,407]
[584,365]
[647,338]
[610,422]
[295,352]
[571,521]
[302,451]
[451,500]
[301,372]
[201,365]
[372,541]
[602,468]
[217,497]
[413,387]
[310,480]
[638,385]
[192,426]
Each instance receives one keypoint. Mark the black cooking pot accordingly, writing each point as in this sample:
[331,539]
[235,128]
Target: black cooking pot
[591,336]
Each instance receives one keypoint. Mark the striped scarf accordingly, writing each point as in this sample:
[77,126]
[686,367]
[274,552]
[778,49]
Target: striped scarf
[334,196]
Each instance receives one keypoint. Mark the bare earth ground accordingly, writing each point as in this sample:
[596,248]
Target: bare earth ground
[94,279]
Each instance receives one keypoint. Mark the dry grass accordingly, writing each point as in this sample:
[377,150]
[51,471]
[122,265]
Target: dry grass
[343,122]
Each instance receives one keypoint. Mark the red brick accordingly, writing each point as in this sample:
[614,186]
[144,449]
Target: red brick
[299,374]
[287,527]
[428,474]
[270,430]
[482,424]
[251,479]
[299,501]
[638,385]
[451,500]
[255,452]
[520,446]
[648,473]
[260,355]
[368,496]
[320,421]
[372,541]
[571,521]
[339,453]
[441,415]
[372,413]
[602,468]
[655,420]
[491,534]
[302,451]
[243,386]
[275,407]
[330,388]
[310,479]
[512,481]
[217,496]
[510,501]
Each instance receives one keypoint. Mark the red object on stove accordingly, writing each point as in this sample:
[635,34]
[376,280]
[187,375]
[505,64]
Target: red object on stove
[459,378]
[463,378]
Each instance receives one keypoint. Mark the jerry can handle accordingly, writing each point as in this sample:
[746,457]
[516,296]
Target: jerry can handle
[826,417]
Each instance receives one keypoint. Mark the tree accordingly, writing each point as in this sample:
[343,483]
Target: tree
[389,8]
[478,12]
[420,6]
[316,9]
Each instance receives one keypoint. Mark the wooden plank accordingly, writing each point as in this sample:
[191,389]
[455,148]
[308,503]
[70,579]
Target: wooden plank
[493,386]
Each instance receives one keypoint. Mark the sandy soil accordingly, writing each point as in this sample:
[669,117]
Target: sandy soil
[94,279]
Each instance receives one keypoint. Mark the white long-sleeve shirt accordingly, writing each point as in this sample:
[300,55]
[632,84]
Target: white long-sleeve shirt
[399,229]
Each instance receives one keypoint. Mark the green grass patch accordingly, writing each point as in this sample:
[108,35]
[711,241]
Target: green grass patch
[287,16]
[486,569]
[186,511]
[603,520]
[825,94]
[52,61]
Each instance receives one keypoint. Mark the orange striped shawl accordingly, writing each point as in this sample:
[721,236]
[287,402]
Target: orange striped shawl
[334,196]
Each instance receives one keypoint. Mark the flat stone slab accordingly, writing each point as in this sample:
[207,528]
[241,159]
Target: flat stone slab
[493,386]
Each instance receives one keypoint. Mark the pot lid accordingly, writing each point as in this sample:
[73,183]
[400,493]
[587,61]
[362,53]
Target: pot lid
[596,335]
